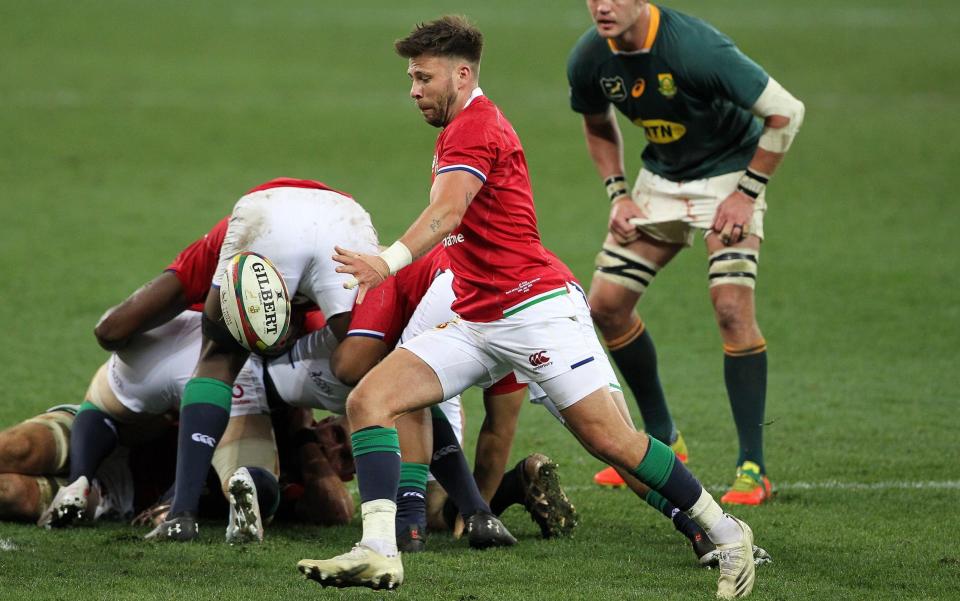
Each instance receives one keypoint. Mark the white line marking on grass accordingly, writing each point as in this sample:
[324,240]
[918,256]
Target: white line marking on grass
[888,485]
[832,485]
[7,545]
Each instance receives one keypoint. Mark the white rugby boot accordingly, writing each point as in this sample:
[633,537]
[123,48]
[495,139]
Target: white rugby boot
[362,566]
[244,525]
[69,505]
[736,562]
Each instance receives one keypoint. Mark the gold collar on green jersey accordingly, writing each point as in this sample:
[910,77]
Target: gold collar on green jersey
[652,28]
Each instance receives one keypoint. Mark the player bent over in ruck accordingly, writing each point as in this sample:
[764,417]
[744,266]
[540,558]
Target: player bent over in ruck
[515,315]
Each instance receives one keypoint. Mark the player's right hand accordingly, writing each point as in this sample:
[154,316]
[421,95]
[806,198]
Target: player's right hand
[368,271]
[621,212]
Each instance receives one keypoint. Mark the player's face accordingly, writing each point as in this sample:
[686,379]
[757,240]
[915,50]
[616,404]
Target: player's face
[434,88]
[614,17]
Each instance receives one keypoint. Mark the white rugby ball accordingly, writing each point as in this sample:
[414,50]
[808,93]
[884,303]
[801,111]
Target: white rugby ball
[255,303]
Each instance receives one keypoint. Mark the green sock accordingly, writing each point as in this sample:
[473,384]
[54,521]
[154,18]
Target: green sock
[746,378]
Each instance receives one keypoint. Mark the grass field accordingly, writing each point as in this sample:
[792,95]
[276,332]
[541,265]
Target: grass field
[127,128]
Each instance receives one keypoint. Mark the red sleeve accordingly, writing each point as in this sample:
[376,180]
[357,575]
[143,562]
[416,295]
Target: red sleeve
[505,385]
[195,264]
[379,316]
[468,146]
[313,321]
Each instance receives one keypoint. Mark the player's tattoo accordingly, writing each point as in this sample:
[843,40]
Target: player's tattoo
[434,225]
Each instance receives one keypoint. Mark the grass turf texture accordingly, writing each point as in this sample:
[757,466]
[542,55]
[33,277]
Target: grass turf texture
[130,128]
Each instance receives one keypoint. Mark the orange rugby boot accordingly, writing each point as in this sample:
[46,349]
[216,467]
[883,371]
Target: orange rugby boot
[749,488]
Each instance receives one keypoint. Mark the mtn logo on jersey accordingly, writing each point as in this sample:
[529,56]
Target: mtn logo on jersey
[539,359]
[659,131]
[453,239]
[614,88]
[668,87]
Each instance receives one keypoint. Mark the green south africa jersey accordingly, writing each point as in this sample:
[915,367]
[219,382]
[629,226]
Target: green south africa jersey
[690,89]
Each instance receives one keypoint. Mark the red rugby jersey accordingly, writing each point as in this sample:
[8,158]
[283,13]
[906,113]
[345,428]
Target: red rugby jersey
[498,260]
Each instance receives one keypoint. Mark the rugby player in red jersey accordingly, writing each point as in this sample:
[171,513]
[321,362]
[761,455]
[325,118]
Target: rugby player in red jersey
[515,314]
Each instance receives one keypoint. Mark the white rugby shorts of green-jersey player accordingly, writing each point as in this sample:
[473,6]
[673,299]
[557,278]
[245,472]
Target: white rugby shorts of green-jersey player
[538,395]
[547,343]
[677,210]
[297,229]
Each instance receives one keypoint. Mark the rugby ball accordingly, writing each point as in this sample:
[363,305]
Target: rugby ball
[255,303]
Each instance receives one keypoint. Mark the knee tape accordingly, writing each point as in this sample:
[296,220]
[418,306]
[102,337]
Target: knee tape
[625,268]
[59,423]
[734,266]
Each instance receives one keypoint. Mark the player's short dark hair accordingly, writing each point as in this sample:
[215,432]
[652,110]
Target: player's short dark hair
[450,35]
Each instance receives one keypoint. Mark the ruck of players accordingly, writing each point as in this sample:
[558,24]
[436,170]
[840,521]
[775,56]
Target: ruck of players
[244,397]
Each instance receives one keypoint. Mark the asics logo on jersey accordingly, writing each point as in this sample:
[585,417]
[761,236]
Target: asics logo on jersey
[539,359]
[204,439]
[453,239]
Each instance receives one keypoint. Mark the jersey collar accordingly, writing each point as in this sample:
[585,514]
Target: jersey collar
[477,92]
[652,28]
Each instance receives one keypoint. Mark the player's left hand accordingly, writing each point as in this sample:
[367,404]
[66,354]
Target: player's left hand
[368,271]
[733,216]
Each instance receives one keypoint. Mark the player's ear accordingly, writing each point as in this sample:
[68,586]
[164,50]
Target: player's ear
[464,73]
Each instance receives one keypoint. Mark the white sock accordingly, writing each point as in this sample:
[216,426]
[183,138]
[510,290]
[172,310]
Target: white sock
[379,526]
[721,529]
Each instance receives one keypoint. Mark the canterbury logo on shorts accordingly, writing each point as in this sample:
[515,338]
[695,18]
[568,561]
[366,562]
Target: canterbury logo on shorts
[539,359]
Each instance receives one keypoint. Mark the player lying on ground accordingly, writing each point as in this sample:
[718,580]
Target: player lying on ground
[141,384]
[516,315]
[34,464]
[35,459]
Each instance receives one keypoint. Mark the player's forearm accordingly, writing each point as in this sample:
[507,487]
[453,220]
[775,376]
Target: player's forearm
[604,144]
[441,217]
[155,303]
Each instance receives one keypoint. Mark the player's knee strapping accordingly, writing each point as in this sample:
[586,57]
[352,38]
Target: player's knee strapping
[734,266]
[59,423]
[625,268]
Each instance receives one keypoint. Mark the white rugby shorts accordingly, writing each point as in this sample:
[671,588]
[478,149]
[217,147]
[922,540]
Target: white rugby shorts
[677,210]
[579,297]
[296,229]
[149,374]
[544,343]
[303,376]
[433,310]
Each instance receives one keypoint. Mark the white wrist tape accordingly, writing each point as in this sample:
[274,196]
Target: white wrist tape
[774,100]
[397,256]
